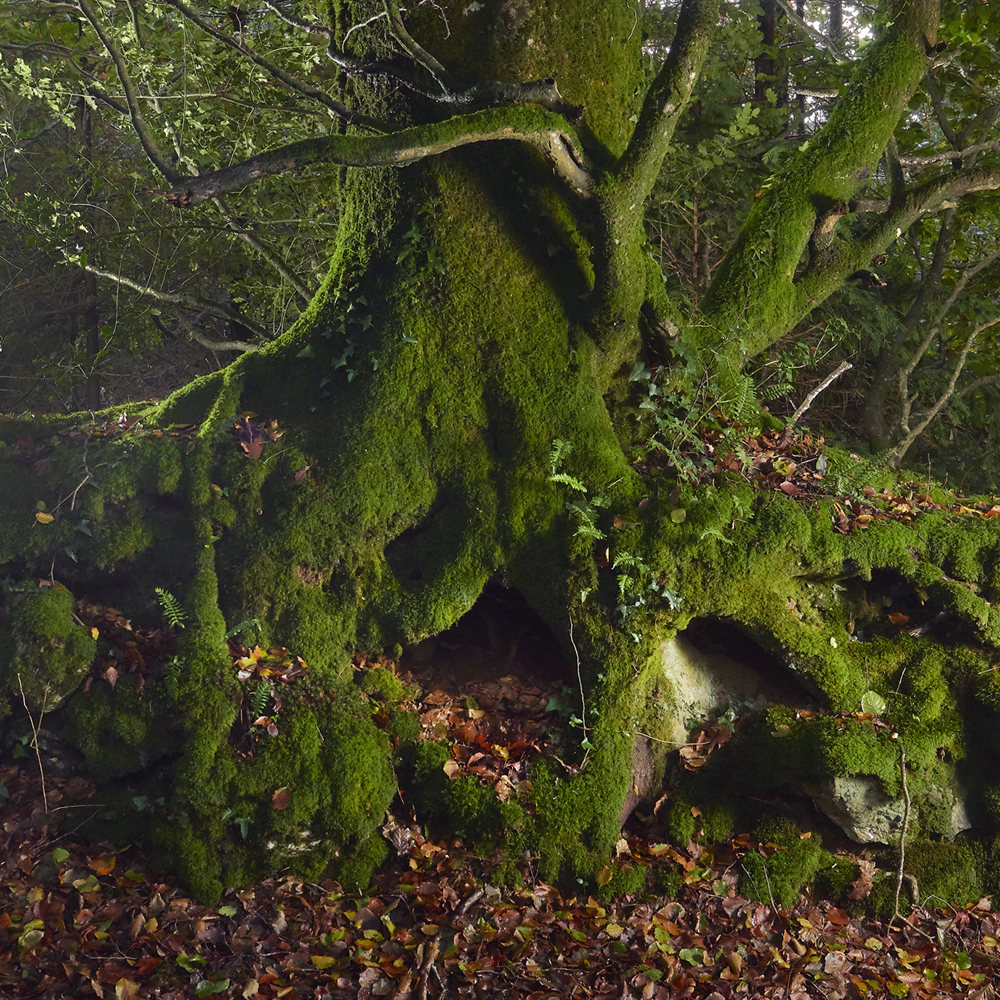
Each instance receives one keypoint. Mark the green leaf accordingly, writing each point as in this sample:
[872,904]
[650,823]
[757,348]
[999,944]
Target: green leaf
[190,962]
[872,703]
[59,855]
[306,352]
[561,477]
[693,956]
[207,987]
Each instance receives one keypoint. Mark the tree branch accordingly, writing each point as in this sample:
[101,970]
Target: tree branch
[416,51]
[951,154]
[756,292]
[304,294]
[545,130]
[823,41]
[178,299]
[292,82]
[904,374]
[900,450]
[666,100]
[135,112]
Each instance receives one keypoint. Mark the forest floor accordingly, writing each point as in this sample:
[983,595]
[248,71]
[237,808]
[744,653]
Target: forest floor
[80,919]
[76,921]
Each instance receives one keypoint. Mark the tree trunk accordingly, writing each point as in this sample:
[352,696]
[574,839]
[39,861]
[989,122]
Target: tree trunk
[461,403]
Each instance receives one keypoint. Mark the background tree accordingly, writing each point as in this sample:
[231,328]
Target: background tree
[494,383]
[232,277]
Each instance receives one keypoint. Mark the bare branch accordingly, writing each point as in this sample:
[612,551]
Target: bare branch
[215,345]
[312,27]
[292,82]
[978,384]
[945,398]
[808,401]
[950,154]
[823,41]
[937,103]
[269,255]
[441,76]
[185,301]
[545,130]
[135,112]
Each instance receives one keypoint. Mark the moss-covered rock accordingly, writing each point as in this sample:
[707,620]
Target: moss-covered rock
[45,652]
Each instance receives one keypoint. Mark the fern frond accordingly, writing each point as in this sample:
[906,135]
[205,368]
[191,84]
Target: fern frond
[172,608]
[560,452]
[562,477]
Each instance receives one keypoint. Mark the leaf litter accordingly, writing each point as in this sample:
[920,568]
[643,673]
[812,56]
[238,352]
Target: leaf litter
[78,920]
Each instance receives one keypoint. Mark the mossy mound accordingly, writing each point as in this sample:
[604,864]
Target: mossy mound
[45,652]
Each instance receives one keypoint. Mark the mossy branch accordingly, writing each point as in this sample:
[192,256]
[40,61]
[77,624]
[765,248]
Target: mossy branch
[545,130]
[840,258]
[666,100]
[755,289]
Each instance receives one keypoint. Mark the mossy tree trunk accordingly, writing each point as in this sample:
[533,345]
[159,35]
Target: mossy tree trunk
[482,314]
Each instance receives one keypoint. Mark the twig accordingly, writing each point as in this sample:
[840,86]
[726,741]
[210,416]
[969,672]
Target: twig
[583,700]
[807,402]
[34,735]
[426,966]
[468,902]
[902,836]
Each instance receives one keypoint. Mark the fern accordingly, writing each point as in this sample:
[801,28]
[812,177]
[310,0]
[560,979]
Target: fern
[171,679]
[852,476]
[259,694]
[560,452]
[172,609]
[236,629]
[561,477]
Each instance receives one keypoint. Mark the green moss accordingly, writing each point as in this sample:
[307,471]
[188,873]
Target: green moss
[120,730]
[44,651]
[785,866]
[383,681]
[626,880]
[946,871]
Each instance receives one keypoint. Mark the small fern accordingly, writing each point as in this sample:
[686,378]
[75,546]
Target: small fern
[172,609]
[236,629]
[560,452]
[259,694]
[171,679]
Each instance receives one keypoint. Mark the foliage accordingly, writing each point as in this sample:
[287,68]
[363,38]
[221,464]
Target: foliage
[76,192]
